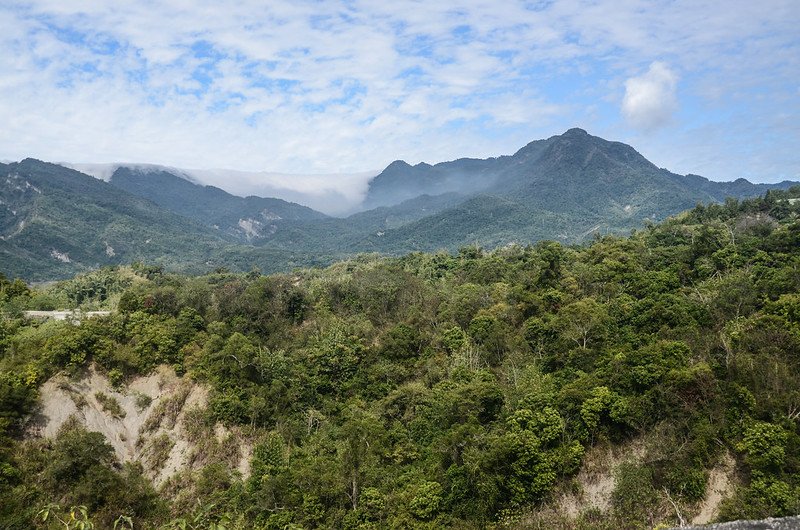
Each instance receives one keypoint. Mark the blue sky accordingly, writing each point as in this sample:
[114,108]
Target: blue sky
[709,87]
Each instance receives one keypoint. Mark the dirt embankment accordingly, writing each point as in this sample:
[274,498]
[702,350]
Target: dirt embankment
[157,420]
[590,493]
[597,478]
[720,485]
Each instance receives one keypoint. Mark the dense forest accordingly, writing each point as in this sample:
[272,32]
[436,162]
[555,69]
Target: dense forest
[435,390]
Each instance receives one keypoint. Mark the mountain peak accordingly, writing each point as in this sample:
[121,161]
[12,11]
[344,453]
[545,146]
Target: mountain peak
[575,131]
[398,164]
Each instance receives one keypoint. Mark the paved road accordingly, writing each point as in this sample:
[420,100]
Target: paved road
[64,315]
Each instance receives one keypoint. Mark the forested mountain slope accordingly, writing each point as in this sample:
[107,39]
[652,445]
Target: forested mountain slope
[611,385]
[567,187]
[245,218]
[55,221]
[569,173]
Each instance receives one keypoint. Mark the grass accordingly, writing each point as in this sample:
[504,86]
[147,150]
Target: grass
[159,450]
[110,404]
[166,412]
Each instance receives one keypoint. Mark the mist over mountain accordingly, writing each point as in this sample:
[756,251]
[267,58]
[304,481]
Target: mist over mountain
[574,168]
[56,221]
[337,194]
[244,218]
[401,181]
[566,187]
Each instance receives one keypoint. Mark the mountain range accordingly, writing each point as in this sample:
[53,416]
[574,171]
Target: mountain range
[56,221]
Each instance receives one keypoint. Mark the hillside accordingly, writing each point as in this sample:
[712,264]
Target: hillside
[485,220]
[56,221]
[245,218]
[629,383]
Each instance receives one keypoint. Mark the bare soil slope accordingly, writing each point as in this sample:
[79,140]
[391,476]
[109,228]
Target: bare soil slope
[158,420]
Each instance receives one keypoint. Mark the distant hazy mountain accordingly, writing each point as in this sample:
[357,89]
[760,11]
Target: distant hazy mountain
[577,170]
[570,168]
[55,221]
[401,181]
[333,193]
[566,187]
[246,218]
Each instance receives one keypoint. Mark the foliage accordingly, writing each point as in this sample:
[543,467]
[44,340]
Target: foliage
[435,390]
[110,404]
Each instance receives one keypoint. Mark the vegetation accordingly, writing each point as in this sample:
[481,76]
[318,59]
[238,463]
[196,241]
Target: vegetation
[60,222]
[110,404]
[437,390]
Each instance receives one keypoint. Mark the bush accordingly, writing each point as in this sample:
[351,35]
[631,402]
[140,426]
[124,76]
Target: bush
[764,445]
[142,401]
[634,499]
[110,404]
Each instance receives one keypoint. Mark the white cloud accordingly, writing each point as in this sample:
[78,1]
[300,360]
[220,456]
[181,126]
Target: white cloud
[333,194]
[650,99]
[310,87]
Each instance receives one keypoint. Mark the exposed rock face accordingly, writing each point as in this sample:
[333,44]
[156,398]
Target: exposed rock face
[785,523]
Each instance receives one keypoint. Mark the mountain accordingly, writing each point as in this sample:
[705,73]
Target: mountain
[244,218]
[401,181]
[568,171]
[566,187]
[274,223]
[338,194]
[578,171]
[55,221]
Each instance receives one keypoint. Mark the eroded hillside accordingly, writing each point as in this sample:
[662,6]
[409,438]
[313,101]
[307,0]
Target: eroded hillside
[157,420]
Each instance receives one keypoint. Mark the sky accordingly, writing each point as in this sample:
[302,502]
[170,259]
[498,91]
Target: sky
[346,87]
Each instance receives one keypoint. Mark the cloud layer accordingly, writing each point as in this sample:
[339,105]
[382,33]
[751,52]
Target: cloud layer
[328,87]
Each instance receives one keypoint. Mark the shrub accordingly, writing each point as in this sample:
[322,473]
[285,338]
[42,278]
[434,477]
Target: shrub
[142,401]
[110,404]
[765,445]
[159,450]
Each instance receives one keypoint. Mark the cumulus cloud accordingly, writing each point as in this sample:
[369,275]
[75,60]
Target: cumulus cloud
[650,99]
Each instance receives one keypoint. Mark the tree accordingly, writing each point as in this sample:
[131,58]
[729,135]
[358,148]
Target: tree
[765,445]
[582,322]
